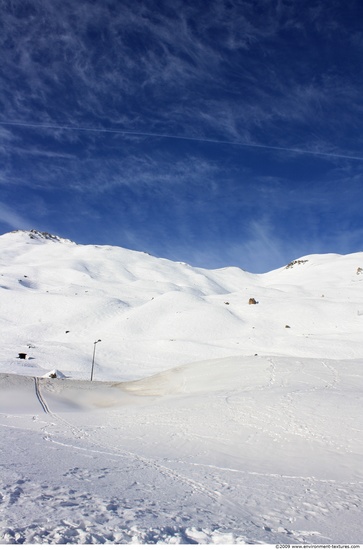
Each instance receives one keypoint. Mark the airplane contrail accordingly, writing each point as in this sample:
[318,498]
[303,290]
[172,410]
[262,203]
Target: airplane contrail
[185,138]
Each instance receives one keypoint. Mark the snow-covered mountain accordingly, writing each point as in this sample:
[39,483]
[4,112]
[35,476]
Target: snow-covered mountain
[152,314]
[210,419]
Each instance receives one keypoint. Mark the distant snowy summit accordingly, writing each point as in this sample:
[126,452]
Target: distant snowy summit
[313,260]
[41,236]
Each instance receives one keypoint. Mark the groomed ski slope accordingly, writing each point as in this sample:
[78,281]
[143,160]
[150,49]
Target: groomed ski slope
[209,421]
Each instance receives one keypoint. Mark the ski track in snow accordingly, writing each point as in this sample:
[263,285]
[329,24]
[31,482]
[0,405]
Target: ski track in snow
[40,397]
[205,502]
[112,521]
[174,476]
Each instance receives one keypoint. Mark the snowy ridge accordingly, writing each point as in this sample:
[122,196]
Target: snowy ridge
[211,419]
[153,314]
[36,235]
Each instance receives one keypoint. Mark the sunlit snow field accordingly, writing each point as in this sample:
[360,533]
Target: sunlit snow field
[209,419]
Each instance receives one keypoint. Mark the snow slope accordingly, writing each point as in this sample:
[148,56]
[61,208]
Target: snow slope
[152,314]
[210,420]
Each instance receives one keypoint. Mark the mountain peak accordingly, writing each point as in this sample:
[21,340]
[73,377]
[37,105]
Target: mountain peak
[41,235]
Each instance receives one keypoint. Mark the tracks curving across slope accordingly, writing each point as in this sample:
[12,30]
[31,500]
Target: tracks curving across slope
[115,450]
[90,443]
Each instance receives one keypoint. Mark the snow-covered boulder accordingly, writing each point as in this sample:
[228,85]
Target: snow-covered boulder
[54,374]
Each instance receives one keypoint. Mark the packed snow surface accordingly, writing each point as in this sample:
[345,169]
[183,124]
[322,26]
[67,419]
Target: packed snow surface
[209,419]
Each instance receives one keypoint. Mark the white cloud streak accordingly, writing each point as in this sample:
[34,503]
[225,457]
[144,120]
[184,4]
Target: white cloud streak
[12,218]
[185,138]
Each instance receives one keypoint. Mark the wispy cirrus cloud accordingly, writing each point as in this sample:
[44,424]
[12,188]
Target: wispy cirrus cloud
[12,218]
[215,72]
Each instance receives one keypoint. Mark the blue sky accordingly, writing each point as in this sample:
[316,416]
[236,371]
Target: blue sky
[219,132]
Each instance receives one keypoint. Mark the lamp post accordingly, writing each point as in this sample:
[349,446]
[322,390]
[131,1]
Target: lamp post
[93,358]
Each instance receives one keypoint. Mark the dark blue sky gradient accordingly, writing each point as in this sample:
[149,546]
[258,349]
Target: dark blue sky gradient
[216,133]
